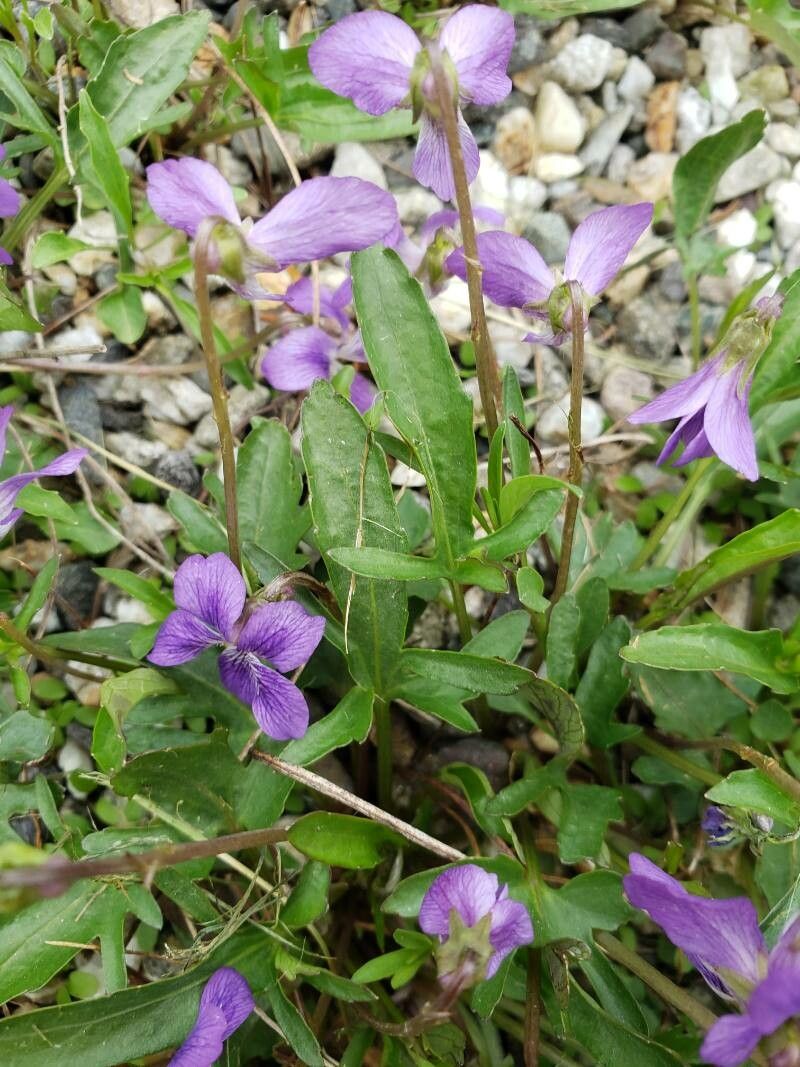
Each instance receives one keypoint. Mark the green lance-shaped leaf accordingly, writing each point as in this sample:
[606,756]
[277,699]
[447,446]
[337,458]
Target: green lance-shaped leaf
[352,506]
[769,542]
[424,398]
[697,174]
[106,171]
[562,9]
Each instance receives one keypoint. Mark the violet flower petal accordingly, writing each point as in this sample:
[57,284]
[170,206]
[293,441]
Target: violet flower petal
[362,393]
[324,216]
[282,632]
[432,166]
[279,707]
[600,245]
[7,521]
[225,1003]
[67,463]
[10,200]
[698,447]
[183,192]
[719,933]
[468,889]
[479,41]
[367,57]
[684,398]
[776,999]
[730,1041]
[511,927]
[211,588]
[514,274]
[727,424]
[300,298]
[449,218]
[181,637]
[298,359]
[5,259]
[6,414]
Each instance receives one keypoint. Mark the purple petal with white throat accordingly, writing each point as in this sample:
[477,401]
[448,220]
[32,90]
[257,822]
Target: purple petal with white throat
[297,360]
[10,200]
[367,57]
[183,192]
[684,398]
[279,707]
[479,41]
[730,1041]
[720,933]
[324,216]
[727,424]
[514,274]
[468,889]
[211,588]
[601,244]
[432,166]
[511,927]
[182,637]
[282,632]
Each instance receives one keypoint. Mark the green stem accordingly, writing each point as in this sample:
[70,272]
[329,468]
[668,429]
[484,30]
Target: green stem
[34,207]
[673,995]
[217,386]
[460,607]
[675,759]
[485,359]
[575,471]
[694,311]
[383,733]
[701,487]
[656,535]
[58,656]
[533,1009]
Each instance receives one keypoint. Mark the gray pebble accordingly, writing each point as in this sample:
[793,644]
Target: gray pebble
[180,470]
[549,233]
[649,326]
[76,586]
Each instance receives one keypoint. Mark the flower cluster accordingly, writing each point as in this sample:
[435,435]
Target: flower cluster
[11,487]
[211,611]
[9,205]
[376,60]
[722,939]
[476,921]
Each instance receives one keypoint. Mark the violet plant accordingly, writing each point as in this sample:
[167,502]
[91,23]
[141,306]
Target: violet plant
[334,726]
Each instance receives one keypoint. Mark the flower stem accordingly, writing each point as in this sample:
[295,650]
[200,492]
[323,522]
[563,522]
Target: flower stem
[459,604]
[694,311]
[656,535]
[667,990]
[218,394]
[383,735]
[575,451]
[533,1009]
[675,759]
[485,359]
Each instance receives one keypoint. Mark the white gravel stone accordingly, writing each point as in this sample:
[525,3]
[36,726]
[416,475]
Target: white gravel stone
[402,475]
[730,44]
[624,390]
[598,150]
[755,169]
[784,138]
[694,118]
[353,160]
[740,268]
[177,400]
[414,205]
[525,195]
[451,307]
[242,405]
[738,230]
[146,522]
[636,82]
[551,426]
[619,163]
[100,231]
[560,127]
[490,188]
[72,757]
[785,199]
[556,166]
[135,448]
[582,65]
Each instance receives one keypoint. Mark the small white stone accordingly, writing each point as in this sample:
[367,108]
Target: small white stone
[784,138]
[624,390]
[146,522]
[72,757]
[525,195]
[243,403]
[177,400]
[233,168]
[451,307]
[619,163]
[407,477]
[738,230]
[694,118]
[100,231]
[135,448]
[740,268]
[353,160]
[637,81]
[785,197]
[560,126]
[514,141]
[729,43]
[552,426]
[582,65]
[74,338]
[752,171]
[555,166]
[416,204]
[509,346]
[490,188]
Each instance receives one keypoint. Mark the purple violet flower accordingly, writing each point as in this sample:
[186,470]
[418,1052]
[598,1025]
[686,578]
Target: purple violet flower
[319,218]
[225,1003]
[516,275]
[10,201]
[210,595]
[463,898]
[11,487]
[712,404]
[722,939]
[306,353]
[718,827]
[377,61]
